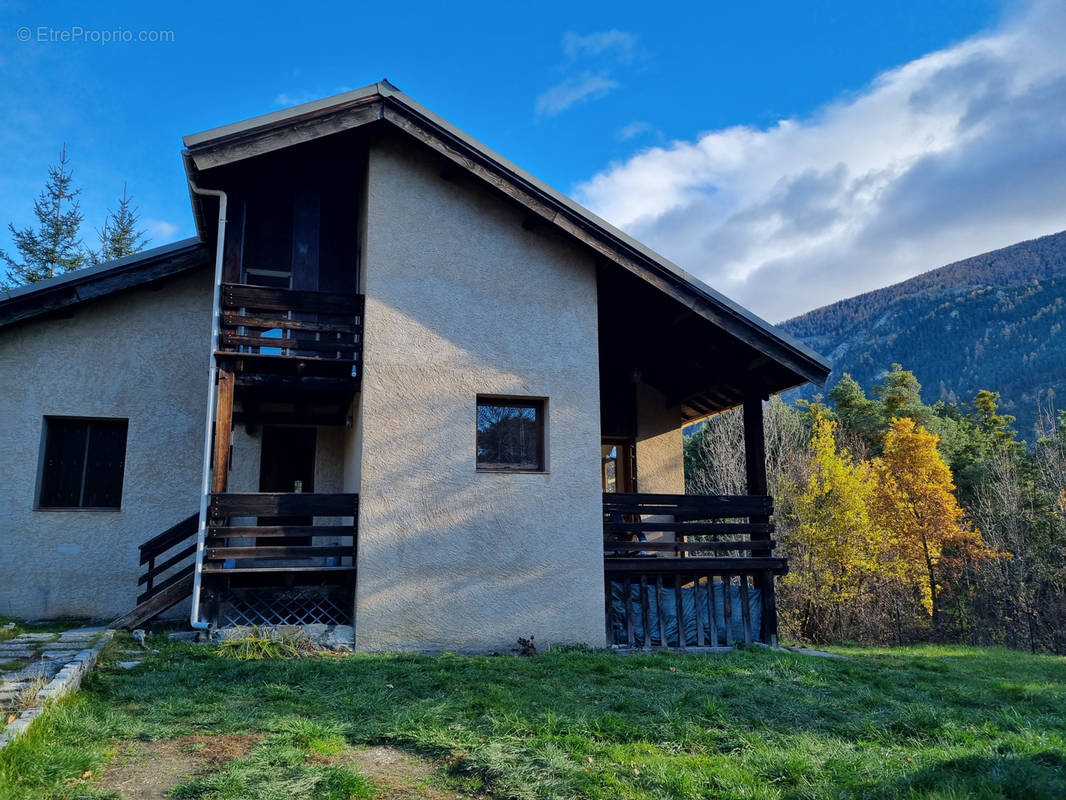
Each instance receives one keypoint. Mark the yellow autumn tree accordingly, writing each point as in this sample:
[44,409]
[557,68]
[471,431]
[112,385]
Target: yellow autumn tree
[835,542]
[927,539]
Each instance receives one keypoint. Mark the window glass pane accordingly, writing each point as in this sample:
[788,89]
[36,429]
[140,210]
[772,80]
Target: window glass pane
[105,464]
[83,463]
[509,435]
[64,463]
[609,454]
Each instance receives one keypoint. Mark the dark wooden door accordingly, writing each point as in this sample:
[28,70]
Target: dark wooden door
[287,464]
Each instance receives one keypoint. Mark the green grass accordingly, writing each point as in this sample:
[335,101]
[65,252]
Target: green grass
[922,722]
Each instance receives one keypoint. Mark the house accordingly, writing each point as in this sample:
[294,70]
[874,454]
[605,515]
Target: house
[394,381]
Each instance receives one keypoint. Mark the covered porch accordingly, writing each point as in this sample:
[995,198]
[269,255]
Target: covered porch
[680,570]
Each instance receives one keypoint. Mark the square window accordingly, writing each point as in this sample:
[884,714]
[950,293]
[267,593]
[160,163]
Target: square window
[83,463]
[510,434]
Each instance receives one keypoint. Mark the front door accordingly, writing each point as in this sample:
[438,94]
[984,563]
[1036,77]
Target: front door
[287,464]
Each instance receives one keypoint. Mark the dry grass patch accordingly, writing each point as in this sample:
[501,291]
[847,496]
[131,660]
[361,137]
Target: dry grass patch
[27,695]
[400,775]
[149,770]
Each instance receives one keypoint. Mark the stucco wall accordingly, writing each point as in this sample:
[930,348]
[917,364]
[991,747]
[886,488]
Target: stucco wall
[140,355]
[461,301]
[660,452]
[660,445]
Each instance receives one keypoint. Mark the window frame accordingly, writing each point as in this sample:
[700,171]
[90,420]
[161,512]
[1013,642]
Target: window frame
[42,462]
[540,407]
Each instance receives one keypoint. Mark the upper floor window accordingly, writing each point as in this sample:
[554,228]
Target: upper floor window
[510,434]
[83,462]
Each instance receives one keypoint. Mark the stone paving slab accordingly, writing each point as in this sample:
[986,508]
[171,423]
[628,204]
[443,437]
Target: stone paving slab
[62,677]
[14,655]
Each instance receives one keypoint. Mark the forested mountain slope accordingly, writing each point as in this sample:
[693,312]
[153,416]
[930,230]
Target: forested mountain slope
[994,321]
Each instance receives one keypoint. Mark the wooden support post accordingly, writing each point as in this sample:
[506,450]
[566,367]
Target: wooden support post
[755,468]
[754,444]
[223,430]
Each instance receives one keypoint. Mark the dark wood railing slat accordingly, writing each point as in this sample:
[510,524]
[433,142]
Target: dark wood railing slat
[278,531]
[679,609]
[170,537]
[645,602]
[155,570]
[267,552]
[712,611]
[727,607]
[233,320]
[290,343]
[628,586]
[278,504]
[262,298]
[620,565]
[712,506]
[690,547]
[745,610]
[689,528]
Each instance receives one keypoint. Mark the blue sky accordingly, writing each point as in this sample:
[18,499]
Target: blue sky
[666,122]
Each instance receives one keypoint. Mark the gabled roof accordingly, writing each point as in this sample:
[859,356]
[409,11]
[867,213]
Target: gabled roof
[90,283]
[382,103]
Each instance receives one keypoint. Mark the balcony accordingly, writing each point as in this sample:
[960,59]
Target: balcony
[689,571]
[290,338]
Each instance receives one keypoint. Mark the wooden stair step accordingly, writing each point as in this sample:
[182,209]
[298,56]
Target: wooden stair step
[155,605]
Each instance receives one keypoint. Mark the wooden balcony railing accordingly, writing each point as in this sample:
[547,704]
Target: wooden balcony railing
[690,524]
[275,523]
[689,570]
[290,323]
[163,557]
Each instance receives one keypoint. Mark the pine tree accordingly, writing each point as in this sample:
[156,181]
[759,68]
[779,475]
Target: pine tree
[120,237]
[55,246]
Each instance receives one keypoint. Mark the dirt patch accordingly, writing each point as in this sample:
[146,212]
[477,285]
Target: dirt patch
[148,770]
[399,774]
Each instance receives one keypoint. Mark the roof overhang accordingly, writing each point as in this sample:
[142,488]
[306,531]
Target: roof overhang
[382,103]
[90,283]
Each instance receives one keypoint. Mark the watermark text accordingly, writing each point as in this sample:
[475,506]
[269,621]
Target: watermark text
[76,34]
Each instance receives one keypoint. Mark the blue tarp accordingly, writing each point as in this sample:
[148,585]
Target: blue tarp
[688,602]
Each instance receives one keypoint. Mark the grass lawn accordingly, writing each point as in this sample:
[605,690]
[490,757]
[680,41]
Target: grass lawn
[922,722]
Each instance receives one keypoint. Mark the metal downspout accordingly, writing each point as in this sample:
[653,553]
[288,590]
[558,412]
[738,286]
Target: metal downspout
[212,395]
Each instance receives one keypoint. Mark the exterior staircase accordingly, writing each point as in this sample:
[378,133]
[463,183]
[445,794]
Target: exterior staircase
[168,578]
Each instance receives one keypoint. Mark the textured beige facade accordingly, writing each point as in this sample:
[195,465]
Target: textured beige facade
[140,355]
[660,444]
[660,452]
[462,301]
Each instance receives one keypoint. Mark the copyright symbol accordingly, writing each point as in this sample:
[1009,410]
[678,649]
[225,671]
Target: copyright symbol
[23,34]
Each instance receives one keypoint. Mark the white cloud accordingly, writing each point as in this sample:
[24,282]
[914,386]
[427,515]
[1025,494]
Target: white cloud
[955,153]
[633,130]
[573,90]
[619,44]
[597,54]
[160,231]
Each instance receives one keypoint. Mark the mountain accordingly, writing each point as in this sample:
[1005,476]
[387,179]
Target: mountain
[994,321]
